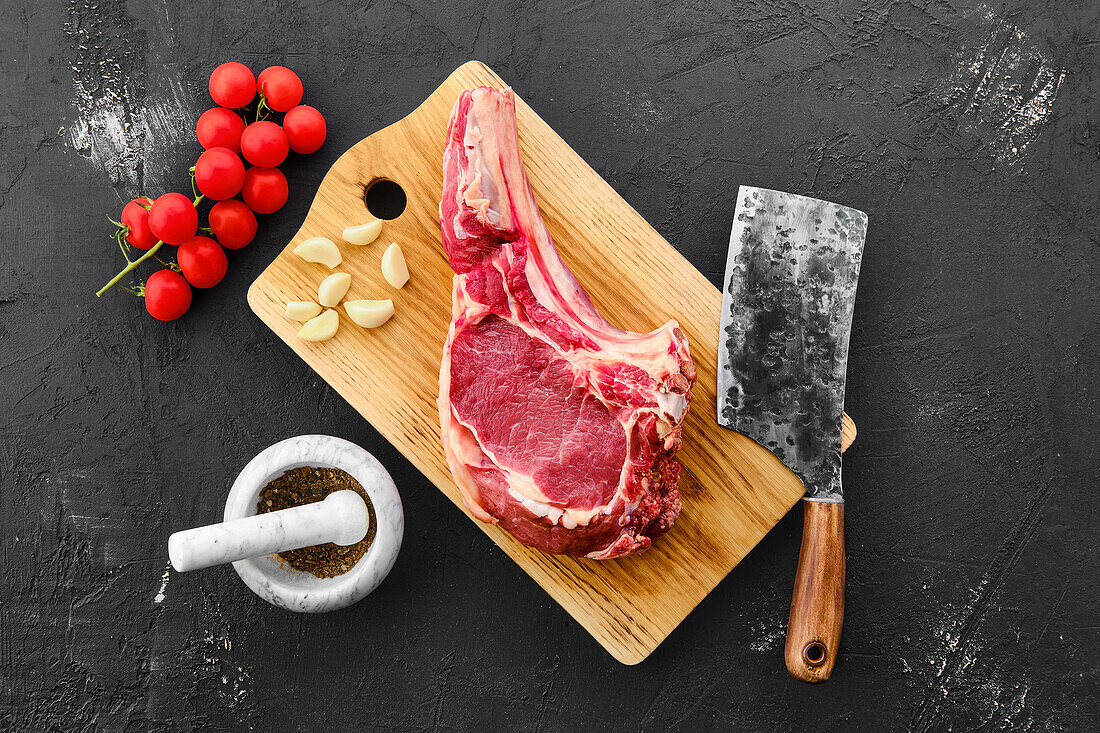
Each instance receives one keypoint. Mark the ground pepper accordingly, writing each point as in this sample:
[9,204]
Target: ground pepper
[306,485]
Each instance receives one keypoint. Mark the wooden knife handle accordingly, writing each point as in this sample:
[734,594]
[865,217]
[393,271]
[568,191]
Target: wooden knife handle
[817,605]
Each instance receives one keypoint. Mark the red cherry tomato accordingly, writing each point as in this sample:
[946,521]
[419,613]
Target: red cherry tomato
[265,190]
[202,261]
[232,85]
[136,216]
[219,127]
[233,223]
[173,218]
[219,174]
[280,86]
[264,144]
[305,129]
[167,295]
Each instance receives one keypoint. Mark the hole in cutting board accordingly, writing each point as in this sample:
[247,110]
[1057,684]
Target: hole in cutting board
[384,198]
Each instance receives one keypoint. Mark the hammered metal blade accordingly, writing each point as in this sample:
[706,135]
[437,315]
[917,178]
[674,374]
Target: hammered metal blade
[790,290]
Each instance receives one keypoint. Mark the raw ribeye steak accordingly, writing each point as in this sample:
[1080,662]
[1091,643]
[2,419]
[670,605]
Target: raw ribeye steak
[556,425]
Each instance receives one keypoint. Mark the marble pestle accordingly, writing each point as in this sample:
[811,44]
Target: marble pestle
[342,517]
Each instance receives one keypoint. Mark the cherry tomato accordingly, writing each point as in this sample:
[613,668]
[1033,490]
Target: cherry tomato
[219,127]
[305,129]
[280,86]
[232,85]
[265,190]
[167,295]
[219,174]
[173,218]
[202,261]
[264,144]
[136,216]
[233,223]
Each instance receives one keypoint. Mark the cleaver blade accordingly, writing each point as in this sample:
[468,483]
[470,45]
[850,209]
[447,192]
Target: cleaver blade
[790,287]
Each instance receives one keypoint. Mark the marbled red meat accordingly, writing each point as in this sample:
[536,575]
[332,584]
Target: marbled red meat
[556,425]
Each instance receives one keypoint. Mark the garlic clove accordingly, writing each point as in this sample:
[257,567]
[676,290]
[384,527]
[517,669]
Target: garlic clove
[321,328]
[369,313]
[302,310]
[321,250]
[394,268]
[363,233]
[333,289]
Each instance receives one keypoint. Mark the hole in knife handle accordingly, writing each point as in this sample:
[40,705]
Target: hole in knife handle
[813,654]
[384,199]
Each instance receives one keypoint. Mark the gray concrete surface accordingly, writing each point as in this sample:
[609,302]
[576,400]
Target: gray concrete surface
[968,132]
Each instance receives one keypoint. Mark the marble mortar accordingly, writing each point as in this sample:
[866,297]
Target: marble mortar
[300,591]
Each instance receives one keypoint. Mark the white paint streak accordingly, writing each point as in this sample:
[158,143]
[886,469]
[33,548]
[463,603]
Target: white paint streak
[988,692]
[129,111]
[771,633]
[132,140]
[234,677]
[160,596]
[642,110]
[1003,90]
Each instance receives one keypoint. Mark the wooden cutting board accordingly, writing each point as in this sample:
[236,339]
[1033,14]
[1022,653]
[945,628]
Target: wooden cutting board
[733,491]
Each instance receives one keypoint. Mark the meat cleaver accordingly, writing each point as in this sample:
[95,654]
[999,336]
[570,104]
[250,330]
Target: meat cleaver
[790,289]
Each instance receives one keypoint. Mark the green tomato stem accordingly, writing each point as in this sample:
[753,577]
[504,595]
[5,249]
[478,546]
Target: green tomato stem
[129,268]
[120,237]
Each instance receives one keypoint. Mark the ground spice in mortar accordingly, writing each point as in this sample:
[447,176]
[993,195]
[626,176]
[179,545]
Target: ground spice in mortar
[304,486]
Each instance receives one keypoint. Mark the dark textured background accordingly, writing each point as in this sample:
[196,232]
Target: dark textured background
[967,132]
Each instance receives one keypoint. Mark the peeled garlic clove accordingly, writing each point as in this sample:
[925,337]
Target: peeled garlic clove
[394,268]
[321,250]
[321,328]
[333,289]
[363,233]
[302,310]
[369,313]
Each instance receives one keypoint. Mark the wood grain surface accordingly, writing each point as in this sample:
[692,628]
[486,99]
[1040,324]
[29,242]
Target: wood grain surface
[817,604]
[847,432]
[733,491]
